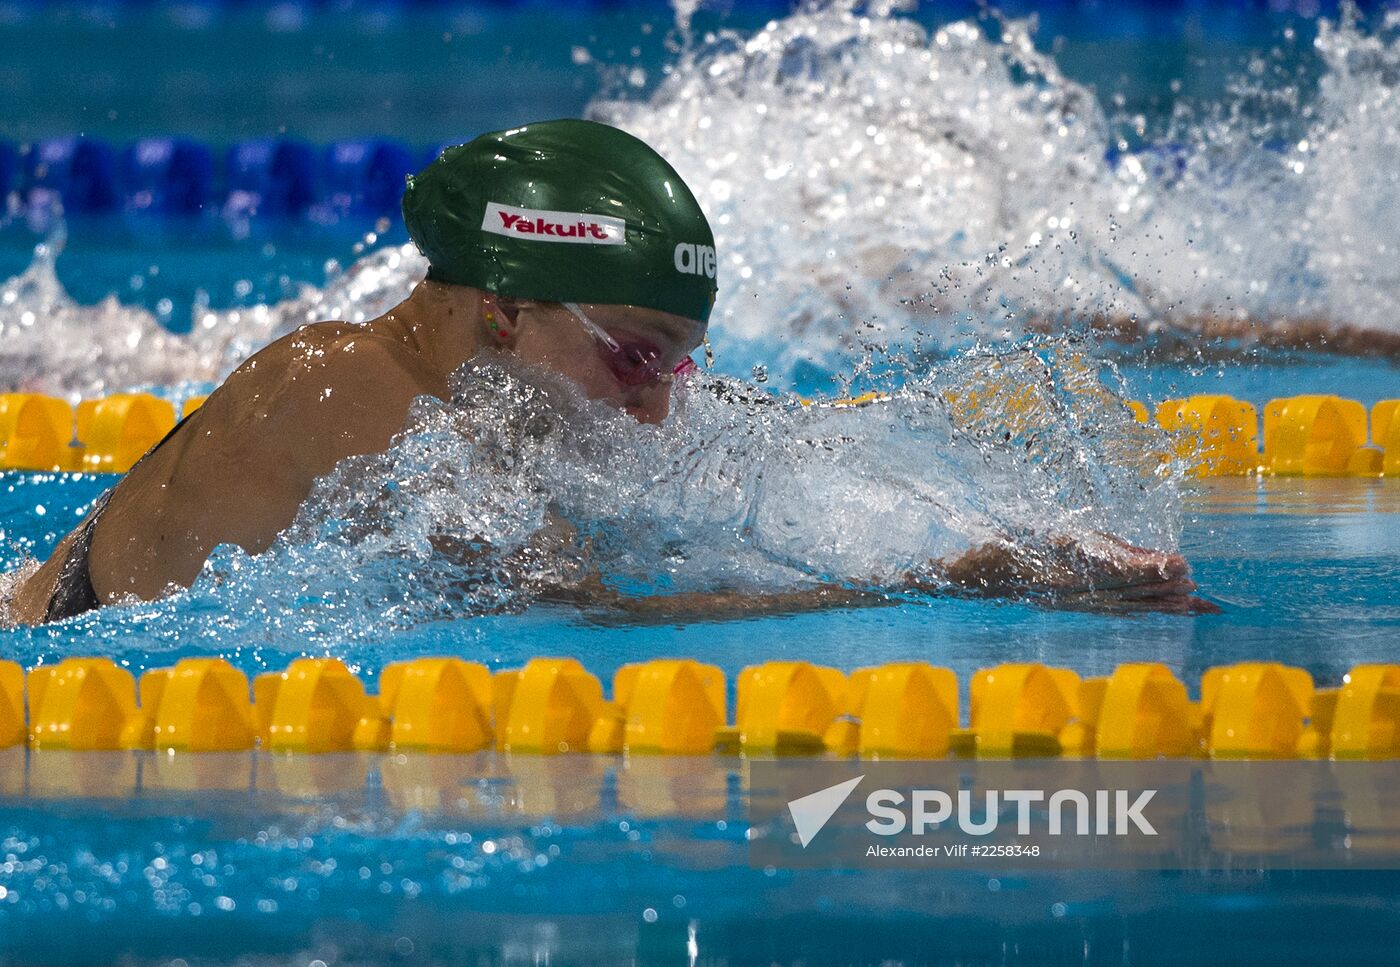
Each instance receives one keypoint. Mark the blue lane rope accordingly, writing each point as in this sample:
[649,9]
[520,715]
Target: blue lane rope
[265,178]
[270,178]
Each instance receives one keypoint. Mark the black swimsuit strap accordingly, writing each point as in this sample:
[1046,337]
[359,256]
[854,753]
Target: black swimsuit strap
[73,592]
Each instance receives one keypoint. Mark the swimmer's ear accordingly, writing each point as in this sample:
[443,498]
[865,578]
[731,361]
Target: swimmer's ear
[500,314]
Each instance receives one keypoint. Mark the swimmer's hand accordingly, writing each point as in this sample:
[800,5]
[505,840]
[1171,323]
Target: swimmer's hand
[1103,573]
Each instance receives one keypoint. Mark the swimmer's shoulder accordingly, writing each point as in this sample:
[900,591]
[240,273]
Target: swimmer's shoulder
[240,467]
[299,404]
[341,388]
[326,366]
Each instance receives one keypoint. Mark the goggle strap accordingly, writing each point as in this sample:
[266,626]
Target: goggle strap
[596,330]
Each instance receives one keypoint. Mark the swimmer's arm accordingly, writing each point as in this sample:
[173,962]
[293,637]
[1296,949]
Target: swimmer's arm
[605,605]
[1110,575]
[262,440]
[346,399]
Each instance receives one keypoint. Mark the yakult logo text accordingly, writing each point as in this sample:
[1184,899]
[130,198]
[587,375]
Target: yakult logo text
[546,226]
[695,260]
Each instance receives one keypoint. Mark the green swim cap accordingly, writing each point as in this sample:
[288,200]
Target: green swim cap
[564,211]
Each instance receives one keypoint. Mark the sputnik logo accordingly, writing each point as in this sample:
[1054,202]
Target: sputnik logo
[811,812]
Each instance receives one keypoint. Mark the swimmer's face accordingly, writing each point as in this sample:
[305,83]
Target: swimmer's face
[629,364]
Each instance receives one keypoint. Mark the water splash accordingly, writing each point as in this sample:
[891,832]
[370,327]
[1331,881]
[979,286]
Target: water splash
[51,344]
[858,170]
[1350,228]
[871,182]
[864,174]
[520,487]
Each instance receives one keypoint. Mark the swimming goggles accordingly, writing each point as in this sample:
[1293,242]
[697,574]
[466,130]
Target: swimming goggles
[636,362]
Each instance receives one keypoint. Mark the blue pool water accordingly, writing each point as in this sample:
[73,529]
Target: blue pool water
[374,859]
[1304,570]
[1159,165]
[362,860]
[421,859]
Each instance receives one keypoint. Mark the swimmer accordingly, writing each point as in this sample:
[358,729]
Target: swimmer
[570,245]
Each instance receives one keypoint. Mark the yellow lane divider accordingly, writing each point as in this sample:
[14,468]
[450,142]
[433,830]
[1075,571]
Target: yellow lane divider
[119,429]
[1215,436]
[100,436]
[35,432]
[1385,433]
[1253,710]
[1318,436]
[1303,436]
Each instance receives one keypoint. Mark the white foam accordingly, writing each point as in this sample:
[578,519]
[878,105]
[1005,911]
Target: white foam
[864,174]
[522,486]
[868,181]
[49,343]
